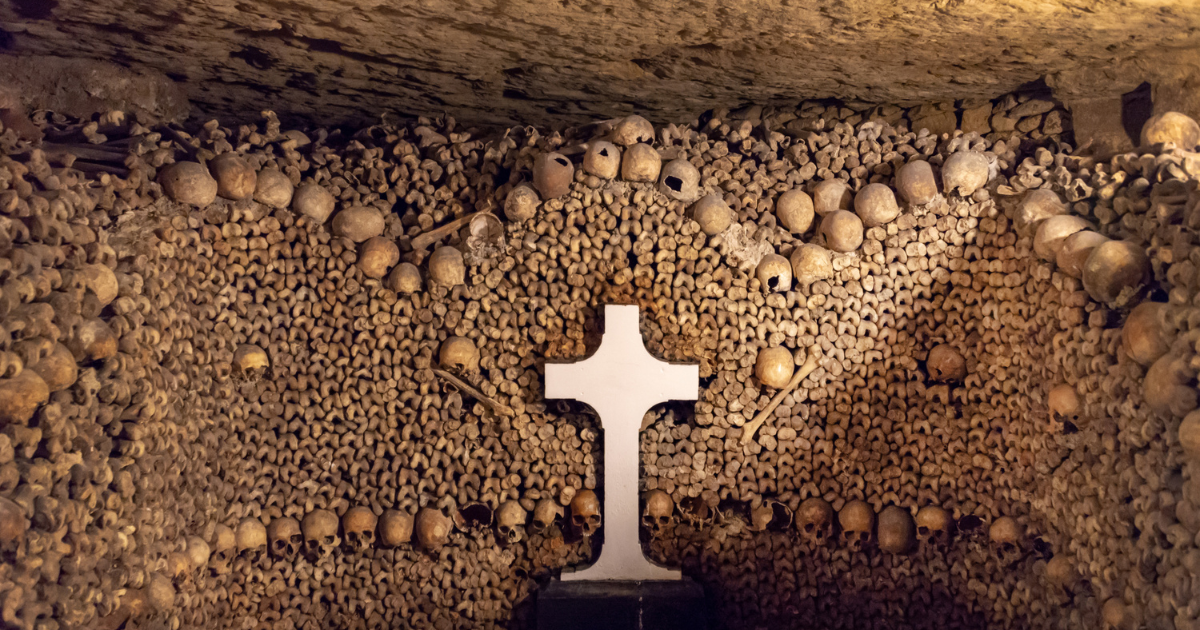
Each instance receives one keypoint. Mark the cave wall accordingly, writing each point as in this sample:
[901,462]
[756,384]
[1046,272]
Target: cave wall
[549,63]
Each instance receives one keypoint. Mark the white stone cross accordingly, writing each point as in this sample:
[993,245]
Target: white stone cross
[621,382]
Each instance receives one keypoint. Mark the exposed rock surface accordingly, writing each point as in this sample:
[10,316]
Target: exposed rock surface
[520,61]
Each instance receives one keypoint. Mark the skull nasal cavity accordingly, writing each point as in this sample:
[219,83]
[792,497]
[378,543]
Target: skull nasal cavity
[674,183]
[604,152]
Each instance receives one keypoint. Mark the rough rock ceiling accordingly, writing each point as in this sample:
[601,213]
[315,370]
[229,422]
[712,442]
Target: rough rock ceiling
[516,61]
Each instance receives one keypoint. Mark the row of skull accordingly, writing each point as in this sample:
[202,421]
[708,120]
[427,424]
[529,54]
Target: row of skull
[320,532]
[894,529]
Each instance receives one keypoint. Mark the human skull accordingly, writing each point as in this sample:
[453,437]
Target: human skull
[446,267]
[1051,233]
[432,528]
[1147,333]
[831,195]
[1174,127]
[1168,387]
[1116,615]
[944,363]
[814,519]
[1189,435]
[631,130]
[774,274]
[965,172]
[160,592]
[236,179]
[251,539]
[896,530]
[250,360]
[320,529]
[659,510]
[358,223]
[794,211]
[811,263]
[358,528]
[1076,249]
[641,163]
[522,202]
[1005,534]
[1037,206]
[179,567]
[224,548]
[680,180]
[857,520]
[876,205]
[585,512]
[1060,572]
[1116,273]
[547,513]
[188,183]
[395,528]
[198,551]
[273,189]
[713,214]
[510,521]
[553,174]
[376,256]
[933,524]
[602,159]
[284,537]
[774,367]
[1063,404]
[405,278]
[459,353]
[916,183]
[312,201]
[842,230]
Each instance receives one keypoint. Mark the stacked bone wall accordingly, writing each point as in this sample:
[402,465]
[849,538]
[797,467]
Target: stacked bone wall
[138,492]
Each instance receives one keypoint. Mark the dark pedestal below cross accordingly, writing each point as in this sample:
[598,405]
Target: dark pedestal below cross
[614,605]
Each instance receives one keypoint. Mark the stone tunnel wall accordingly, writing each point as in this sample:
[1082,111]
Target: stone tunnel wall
[185,371]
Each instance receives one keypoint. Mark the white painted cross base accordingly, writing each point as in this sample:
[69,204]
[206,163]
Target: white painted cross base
[621,382]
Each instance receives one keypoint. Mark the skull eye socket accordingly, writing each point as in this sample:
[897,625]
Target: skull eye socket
[922,530]
[808,527]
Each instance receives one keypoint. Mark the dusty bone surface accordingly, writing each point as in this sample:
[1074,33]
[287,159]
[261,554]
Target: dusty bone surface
[139,479]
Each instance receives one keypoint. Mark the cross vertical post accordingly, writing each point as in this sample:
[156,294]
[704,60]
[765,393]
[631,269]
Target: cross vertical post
[621,381]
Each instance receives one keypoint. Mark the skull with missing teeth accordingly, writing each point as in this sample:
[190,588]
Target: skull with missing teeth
[858,524]
[358,528]
[547,514]
[284,537]
[814,519]
[659,511]
[585,512]
[510,521]
[320,529]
